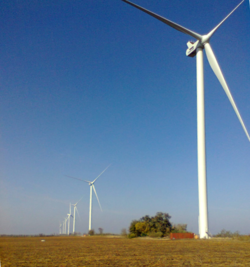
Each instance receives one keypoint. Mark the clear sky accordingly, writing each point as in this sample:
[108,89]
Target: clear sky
[85,84]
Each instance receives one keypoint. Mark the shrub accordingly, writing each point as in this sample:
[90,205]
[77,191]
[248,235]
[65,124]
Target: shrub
[143,234]
[155,234]
[224,233]
[132,235]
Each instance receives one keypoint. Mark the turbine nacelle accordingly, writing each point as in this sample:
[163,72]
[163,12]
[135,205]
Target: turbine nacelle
[191,51]
[192,46]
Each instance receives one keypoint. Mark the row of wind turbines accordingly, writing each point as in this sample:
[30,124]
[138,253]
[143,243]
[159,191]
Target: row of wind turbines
[64,227]
[195,48]
[66,221]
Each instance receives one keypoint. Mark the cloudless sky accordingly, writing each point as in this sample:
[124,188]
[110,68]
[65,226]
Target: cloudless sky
[89,83]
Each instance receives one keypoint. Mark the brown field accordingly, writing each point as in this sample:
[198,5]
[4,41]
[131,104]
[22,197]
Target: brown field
[104,251]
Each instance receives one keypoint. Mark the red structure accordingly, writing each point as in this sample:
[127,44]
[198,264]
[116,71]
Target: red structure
[181,235]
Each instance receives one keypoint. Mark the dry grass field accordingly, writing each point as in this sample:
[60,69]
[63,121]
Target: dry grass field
[104,251]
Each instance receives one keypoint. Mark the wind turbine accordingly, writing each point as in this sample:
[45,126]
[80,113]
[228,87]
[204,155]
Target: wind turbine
[68,218]
[74,216]
[92,186]
[196,49]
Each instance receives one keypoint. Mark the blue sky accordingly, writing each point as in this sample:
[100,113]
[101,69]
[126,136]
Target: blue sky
[89,83]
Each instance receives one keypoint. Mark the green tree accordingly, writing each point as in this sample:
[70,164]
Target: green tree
[91,232]
[132,228]
[159,224]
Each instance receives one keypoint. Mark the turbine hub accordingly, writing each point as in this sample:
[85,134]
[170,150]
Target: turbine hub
[206,38]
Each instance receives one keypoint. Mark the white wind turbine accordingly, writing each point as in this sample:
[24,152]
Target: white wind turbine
[74,216]
[92,186]
[196,49]
[68,218]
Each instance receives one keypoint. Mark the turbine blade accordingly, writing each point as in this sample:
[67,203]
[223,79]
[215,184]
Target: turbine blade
[77,179]
[78,200]
[97,197]
[78,213]
[216,68]
[215,28]
[167,21]
[74,178]
[101,173]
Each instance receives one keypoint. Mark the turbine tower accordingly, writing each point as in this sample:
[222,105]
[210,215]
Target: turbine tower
[65,225]
[92,186]
[60,228]
[68,218]
[196,49]
[74,216]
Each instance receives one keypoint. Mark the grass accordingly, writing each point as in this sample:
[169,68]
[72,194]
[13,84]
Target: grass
[103,251]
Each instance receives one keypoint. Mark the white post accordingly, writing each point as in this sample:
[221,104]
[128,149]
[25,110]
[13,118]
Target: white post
[201,143]
[90,206]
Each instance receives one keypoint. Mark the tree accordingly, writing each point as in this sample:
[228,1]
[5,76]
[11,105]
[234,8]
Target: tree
[91,232]
[132,228]
[159,224]
[100,230]
[124,232]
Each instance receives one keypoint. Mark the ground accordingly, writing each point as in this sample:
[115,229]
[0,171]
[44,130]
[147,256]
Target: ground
[103,251]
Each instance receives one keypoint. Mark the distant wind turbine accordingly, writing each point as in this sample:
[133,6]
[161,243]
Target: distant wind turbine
[196,49]
[74,216]
[92,186]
